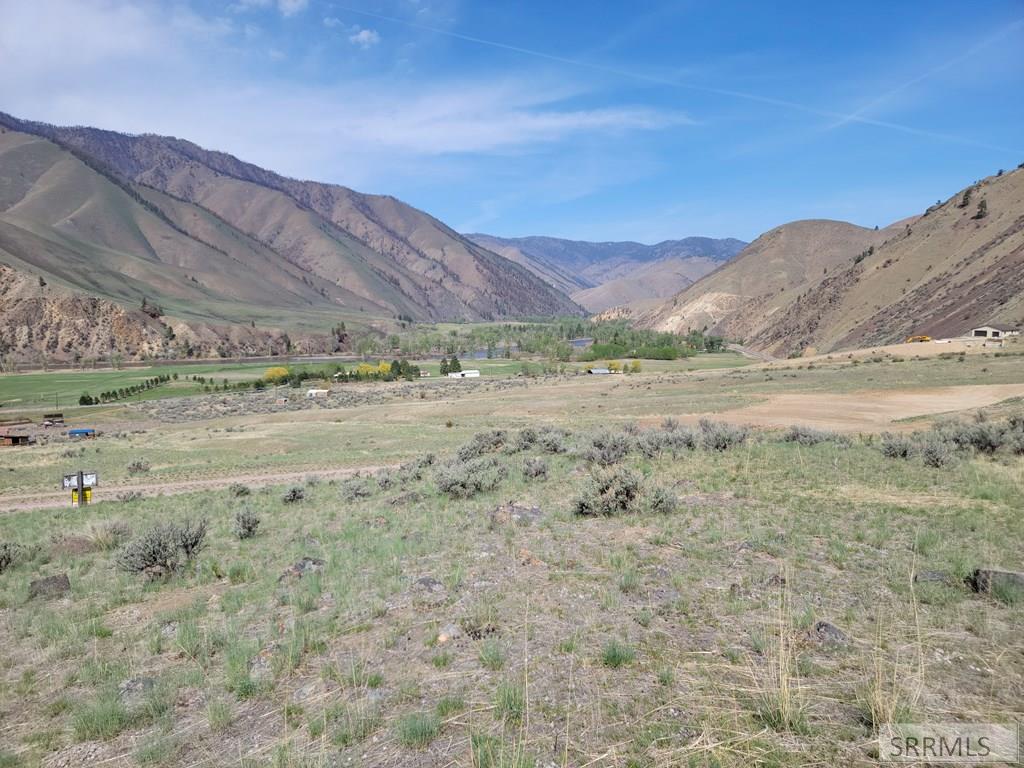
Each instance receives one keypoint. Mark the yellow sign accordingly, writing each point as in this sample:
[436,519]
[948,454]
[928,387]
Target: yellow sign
[87,497]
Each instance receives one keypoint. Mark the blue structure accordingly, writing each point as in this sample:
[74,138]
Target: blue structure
[82,432]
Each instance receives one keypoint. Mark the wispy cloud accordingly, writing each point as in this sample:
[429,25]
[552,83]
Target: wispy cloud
[285,7]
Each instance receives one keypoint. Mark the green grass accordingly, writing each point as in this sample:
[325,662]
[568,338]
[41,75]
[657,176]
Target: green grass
[417,730]
[617,654]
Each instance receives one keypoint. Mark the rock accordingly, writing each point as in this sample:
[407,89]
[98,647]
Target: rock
[828,634]
[49,586]
[993,579]
[776,580]
[429,591]
[934,577]
[448,633]
[133,691]
[515,513]
[526,557]
[302,567]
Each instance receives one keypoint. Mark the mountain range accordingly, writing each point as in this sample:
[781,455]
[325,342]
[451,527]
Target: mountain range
[602,275]
[819,286]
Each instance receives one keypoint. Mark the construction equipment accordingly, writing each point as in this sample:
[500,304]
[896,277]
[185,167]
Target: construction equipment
[917,339]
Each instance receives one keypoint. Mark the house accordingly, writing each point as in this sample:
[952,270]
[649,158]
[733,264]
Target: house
[424,374]
[471,374]
[11,439]
[599,371]
[314,393]
[994,331]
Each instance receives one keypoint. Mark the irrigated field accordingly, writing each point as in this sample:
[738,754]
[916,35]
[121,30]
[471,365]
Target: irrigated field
[535,572]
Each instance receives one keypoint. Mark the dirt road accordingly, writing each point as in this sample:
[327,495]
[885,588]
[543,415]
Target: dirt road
[108,493]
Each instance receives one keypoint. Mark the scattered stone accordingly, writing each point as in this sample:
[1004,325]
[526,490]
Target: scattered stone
[515,513]
[988,579]
[133,691]
[934,577]
[303,567]
[526,557]
[448,633]
[169,630]
[49,586]
[828,634]
[429,591]
[776,580]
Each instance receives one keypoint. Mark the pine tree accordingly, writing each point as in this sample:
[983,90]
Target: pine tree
[982,209]
[444,366]
[454,366]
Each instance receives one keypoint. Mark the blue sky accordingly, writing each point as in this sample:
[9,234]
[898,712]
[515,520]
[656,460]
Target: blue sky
[594,121]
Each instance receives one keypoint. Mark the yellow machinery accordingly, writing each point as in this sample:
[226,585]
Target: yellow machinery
[915,339]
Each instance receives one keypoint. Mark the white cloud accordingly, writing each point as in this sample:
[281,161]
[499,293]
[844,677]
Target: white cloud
[286,7]
[364,38]
[292,7]
[333,21]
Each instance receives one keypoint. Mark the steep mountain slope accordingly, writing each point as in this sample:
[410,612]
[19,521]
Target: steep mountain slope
[603,275]
[368,253]
[744,293]
[827,285]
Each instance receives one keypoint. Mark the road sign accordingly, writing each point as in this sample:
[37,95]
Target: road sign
[89,480]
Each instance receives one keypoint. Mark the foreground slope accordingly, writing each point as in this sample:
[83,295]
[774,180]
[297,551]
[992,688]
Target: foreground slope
[376,254]
[603,275]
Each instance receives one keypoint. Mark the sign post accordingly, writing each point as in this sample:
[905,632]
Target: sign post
[81,484]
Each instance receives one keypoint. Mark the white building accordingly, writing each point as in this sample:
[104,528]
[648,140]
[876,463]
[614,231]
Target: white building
[994,332]
[312,393]
[464,375]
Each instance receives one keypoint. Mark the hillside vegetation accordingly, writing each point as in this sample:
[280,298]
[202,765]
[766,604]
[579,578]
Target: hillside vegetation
[830,285]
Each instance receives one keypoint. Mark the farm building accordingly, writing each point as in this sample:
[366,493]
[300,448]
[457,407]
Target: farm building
[10,439]
[994,331]
[599,371]
[471,374]
[314,393]
[82,433]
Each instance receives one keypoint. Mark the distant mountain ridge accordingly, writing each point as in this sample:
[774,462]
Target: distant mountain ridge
[216,241]
[823,286]
[599,275]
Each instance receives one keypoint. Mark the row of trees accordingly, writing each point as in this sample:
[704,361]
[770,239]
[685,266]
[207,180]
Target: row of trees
[121,393]
[450,366]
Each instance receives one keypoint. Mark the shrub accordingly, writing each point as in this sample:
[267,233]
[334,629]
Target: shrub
[155,552]
[483,442]
[463,479]
[247,523]
[720,436]
[607,448]
[651,443]
[138,467]
[238,490]
[535,469]
[294,494]
[355,488]
[936,452]
[384,479]
[661,501]
[11,554]
[552,440]
[126,497]
[608,493]
[895,446]
[192,537]
[810,436]
[524,440]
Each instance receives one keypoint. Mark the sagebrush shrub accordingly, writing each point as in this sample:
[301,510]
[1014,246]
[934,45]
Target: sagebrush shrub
[293,494]
[385,479]
[552,440]
[936,452]
[192,537]
[721,436]
[896,446]
[661,501]
[483,442]
[138,467]
[238,490]
[156,551]
[355,488]
[810,436]
[11,554]
[535,469]
[524,440]
[608,493]
[247,523]
[607,448]
[462,479]
[107,535]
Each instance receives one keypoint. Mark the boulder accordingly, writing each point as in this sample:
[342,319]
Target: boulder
[49,586]
[303,567]
[828,635]
[996,579]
